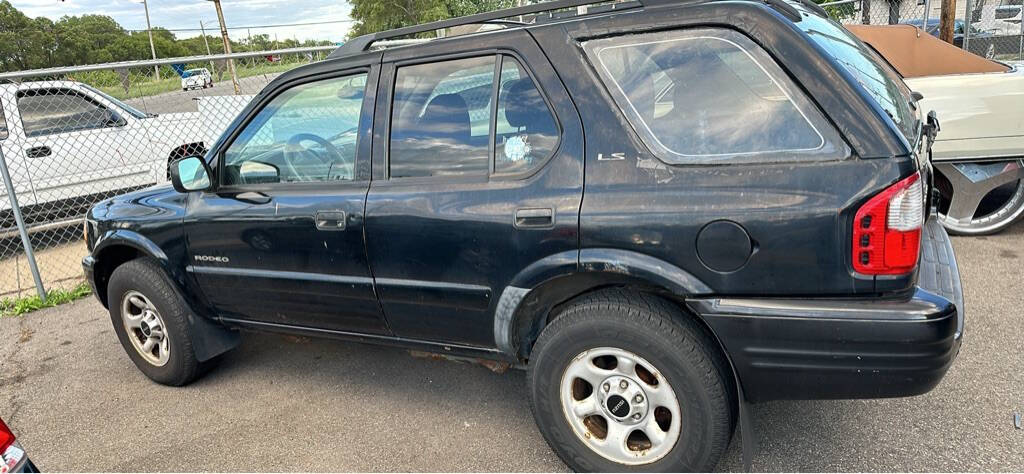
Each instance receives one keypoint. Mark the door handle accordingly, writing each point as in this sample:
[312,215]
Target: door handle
[535,218]
[38,152]
[330,220]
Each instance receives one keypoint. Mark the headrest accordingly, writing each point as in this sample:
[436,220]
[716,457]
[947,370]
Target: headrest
[523,103]
[446,116]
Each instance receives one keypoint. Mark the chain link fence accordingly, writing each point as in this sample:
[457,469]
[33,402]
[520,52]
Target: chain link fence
[995,31]
[71,137]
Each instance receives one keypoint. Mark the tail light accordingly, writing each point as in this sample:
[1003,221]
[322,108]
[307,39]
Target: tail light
[887,229]
[11,455]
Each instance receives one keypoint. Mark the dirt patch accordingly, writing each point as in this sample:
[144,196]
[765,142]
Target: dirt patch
[26,335]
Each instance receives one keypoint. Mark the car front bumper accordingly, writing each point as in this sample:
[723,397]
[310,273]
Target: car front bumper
[88,267]
[793,349]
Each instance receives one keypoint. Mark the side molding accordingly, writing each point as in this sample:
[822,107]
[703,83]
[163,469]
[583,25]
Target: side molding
[575,273]
[644,267]
[504,318]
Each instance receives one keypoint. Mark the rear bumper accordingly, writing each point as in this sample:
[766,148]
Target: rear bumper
[817,349]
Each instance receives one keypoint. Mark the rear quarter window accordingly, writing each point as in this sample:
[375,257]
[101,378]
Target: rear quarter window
[711,95]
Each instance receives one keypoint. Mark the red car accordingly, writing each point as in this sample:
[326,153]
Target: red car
[13,457]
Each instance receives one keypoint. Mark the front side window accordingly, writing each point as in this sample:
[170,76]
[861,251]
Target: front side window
[49,111]
[306,134]
[117,102]
[710,95]
[440,118]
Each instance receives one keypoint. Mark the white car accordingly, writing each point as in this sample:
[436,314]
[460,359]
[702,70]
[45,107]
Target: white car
[68,144]
[979,152]
[196,79]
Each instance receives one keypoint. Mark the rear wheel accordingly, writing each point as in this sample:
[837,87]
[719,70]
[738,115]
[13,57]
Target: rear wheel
[980,198]
[151,321]
[623,381]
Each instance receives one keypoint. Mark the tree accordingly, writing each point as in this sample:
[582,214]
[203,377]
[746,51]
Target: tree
[24,43]
[377,15]
[85,39]
[33,43]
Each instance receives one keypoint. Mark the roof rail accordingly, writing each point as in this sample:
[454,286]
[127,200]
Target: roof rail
[363,43]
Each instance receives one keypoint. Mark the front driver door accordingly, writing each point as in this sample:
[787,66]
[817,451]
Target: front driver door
[280,242]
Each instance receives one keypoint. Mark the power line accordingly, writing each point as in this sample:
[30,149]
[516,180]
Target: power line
[253,26]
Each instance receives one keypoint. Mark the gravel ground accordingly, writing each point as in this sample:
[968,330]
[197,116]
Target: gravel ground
[285,403]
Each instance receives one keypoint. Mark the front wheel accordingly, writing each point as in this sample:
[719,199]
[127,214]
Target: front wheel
[624,381]
[151,321]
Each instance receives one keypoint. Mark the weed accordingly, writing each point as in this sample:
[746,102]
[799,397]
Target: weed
[16,306]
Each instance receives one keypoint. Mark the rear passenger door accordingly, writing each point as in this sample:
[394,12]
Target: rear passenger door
[477,174]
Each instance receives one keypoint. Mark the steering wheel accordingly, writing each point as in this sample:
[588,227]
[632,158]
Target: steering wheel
[294,152]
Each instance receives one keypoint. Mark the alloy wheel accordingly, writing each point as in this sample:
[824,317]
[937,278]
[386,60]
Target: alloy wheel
[145,328]
[620,406]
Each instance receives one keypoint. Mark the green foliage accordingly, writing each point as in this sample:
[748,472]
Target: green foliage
[838,12]
[27,43]
[378,15]
[12,307]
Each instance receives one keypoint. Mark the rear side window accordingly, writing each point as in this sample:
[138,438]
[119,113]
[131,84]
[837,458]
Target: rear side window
[49,111]
[710,95]
[444,113]
[440,118]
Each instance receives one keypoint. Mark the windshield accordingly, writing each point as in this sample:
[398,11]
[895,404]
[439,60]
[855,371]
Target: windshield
[873,73]
[127,108]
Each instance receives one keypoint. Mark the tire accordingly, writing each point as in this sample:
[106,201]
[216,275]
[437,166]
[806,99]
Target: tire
[683,358]
[172,364]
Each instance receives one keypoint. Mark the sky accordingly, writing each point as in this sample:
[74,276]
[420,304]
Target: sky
[175,14]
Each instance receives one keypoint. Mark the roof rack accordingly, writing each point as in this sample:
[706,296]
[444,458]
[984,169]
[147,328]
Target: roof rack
[364,42]
[541,13]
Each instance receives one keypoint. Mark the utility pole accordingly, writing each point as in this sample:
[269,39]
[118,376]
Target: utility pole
[946,18]
[251,60]
[213,69]
[227,46]
[149,29]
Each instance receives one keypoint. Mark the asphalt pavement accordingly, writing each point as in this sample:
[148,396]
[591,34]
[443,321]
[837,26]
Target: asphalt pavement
[283,403]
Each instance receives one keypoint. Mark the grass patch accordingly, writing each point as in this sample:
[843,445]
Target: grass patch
[54,297]
[173,84]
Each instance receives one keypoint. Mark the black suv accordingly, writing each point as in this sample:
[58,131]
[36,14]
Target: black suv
[663,210]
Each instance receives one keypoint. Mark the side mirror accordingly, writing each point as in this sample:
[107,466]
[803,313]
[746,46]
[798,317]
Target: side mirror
[115,119]
[190,174]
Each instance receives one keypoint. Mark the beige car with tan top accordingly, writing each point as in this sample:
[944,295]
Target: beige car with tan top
[979,153]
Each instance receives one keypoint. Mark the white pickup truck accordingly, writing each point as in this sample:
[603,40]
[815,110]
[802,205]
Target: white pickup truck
[68,145]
